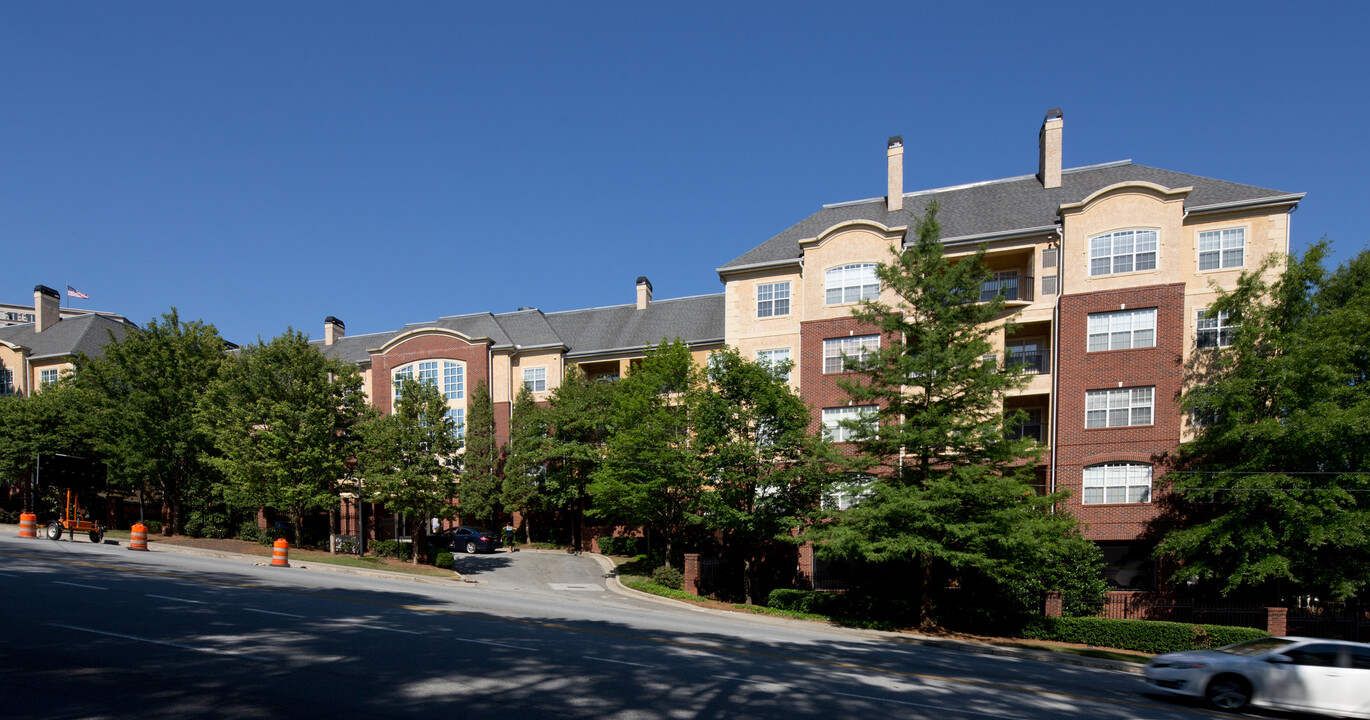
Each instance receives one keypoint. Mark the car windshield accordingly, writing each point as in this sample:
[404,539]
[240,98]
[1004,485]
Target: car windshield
[1252,648]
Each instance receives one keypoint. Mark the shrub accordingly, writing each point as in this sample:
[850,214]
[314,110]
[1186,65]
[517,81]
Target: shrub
[153,526]
[444,560]
[8,516]
[391,549]
[268,536]
[620,545]
[812,602]
[249,531]
[669,577]
[1149,636]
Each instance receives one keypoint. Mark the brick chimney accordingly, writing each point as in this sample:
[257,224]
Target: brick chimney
[644,292]
[47,307]
[894,154]
[333,330]
[1049,149]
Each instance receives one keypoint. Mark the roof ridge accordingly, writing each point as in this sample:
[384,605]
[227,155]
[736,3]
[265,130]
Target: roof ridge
[654,302]
[980,183]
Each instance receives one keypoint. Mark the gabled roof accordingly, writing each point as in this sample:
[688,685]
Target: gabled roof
[68,336]
[695,320]
[1005,206]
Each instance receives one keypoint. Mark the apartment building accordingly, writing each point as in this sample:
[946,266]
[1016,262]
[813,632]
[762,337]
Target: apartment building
[1107,270]
[40,343]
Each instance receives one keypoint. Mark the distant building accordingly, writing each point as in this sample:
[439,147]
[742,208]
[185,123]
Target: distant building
[36,351]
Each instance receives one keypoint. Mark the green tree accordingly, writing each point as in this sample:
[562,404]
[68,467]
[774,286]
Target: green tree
[650,474]
[751,434]
[940,481]
[143,394]
[525,468]
[49,422]
[407,458]
[479,492]
[577,419]
[1276,482]
[283,418]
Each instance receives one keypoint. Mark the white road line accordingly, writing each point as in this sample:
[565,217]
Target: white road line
[211,651]
[378,627]
[271,612]
[616,662]
[754,682]
[164,597]
[961,711]
[92,587]
[5,574]
[487,642]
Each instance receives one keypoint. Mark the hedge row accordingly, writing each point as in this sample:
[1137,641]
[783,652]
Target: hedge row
[629,546]
[805,601]
[1149,636]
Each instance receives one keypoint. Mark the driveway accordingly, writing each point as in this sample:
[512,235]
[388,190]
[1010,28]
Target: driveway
[534,571]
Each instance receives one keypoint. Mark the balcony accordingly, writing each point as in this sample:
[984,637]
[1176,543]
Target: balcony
[1029,430]
[1031,362]
[1013,287]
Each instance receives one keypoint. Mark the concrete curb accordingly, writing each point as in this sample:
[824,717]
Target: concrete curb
[455,581]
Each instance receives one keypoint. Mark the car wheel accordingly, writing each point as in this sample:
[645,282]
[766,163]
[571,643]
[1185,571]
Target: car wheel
[1228,692]
[470,548]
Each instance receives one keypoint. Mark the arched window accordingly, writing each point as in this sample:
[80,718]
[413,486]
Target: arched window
[851,283]
[1121,482]
[449,376]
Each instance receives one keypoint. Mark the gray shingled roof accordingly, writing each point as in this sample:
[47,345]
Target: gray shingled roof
[69,336]
[353,349]
[1001,206]
[694,320]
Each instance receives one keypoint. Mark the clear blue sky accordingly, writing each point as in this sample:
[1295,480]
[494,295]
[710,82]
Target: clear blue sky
[263,165]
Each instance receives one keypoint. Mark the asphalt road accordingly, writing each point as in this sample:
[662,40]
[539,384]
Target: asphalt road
[97,631]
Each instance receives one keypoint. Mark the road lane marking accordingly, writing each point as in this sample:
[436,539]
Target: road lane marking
[617,662]
[607,633]
[211,651]
[487,642]
[378,627]
[176,599]
[5,574]
[272,612]
[961,711]
[92,587]
[754,682]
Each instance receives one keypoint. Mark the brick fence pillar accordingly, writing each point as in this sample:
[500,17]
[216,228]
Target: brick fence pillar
[1276,621]
[1051,607]
[691,582]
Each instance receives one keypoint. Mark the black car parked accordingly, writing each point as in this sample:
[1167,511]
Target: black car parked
[466,539]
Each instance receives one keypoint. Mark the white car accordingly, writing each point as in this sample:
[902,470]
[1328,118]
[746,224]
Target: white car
[1288,673]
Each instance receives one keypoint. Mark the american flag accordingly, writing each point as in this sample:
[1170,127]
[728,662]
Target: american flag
[73,292]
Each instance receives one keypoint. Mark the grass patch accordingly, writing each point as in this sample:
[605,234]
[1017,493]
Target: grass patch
[644,585]
[1083,652]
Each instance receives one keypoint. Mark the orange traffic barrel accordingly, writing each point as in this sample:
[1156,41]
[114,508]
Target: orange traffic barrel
[137,537]
[28,525]
[280,553]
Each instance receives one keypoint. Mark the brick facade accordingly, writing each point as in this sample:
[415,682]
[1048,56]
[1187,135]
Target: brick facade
[1081,371]
[427,346]
[822,390]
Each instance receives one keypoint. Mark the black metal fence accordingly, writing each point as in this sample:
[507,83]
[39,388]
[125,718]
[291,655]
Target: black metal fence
[1131,607]
[1344,623]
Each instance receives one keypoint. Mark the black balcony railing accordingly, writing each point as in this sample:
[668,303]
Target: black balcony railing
[1032,430]
[1012,287]
[1032,362]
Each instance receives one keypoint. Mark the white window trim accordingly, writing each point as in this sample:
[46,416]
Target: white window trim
[1126,399]
[1111,235]
[772,303]
[48,376]
[1221,251]
[534,377]
[834,431]
[860,347]
[1134,480]
[862,288]
[437,374]
[1220,326]
[767,357]
[1109,333]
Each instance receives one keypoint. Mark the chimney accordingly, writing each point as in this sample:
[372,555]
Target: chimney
[1049,145]
[333,330]
[644,292]
[47,305]
[895,156]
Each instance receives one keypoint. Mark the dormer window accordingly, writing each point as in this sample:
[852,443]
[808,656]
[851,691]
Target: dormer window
[1123,251]
[851,283]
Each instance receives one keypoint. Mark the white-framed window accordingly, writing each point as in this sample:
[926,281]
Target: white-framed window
[837,350]
[773,299]
[1123,251]
[834,431]
[1214,329]
[1121,482]
[535,379]
[1028,355]
[48,377]
[453,380]
[1122,407]
[1122,330]
[458,418]
[6,381]
[848,492]
[850,283]
[448,376]
[1220,249]
[775,359]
